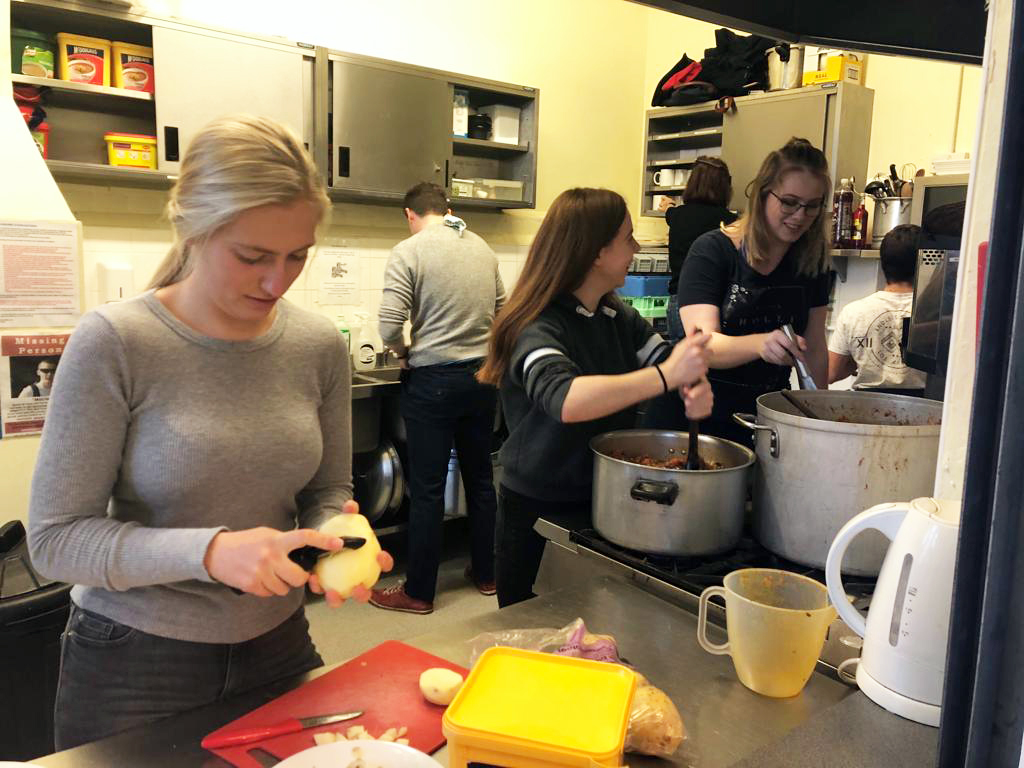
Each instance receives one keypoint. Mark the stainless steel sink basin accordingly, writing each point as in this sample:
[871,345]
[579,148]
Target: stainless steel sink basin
[388,375]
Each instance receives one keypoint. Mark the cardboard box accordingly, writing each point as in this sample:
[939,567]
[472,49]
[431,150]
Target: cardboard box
[838,69]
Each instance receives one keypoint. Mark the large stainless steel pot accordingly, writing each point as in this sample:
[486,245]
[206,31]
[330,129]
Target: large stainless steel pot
[813,475]
[785,66]
[669,511]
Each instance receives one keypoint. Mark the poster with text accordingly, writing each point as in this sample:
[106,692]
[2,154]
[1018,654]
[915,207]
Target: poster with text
[28,363]
[39,273]
[336,275]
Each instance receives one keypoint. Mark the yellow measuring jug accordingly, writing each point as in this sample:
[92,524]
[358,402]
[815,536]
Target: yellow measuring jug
[776,624]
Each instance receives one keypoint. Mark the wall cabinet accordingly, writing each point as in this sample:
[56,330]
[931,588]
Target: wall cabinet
[203,76]
[388,129]
[374,127]
[835,117]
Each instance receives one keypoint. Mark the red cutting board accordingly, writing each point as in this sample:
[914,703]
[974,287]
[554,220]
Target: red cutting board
[384,683]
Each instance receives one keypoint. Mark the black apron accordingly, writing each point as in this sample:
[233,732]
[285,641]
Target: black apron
[745,310]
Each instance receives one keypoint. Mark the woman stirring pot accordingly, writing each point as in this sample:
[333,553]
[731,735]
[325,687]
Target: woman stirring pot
[745,281]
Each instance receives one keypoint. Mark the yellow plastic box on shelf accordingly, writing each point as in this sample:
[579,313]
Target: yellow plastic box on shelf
[537,710]
[837,69]
[84,59]
[131,150]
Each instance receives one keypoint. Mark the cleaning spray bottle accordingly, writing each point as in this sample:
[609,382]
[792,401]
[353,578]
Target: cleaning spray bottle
[365,351]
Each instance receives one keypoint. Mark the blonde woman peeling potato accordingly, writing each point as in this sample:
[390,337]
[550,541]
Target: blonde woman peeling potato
[196,436]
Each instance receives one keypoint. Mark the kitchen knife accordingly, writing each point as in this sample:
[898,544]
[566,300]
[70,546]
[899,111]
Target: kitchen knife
[260,732]
[306,557]
[806,380]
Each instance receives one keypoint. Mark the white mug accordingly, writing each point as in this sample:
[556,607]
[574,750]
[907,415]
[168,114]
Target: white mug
[668,177]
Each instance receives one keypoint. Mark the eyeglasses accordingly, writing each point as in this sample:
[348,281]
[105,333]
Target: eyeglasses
[791,205]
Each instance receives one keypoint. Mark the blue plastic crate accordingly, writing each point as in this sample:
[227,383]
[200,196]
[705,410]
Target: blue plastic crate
[645,285]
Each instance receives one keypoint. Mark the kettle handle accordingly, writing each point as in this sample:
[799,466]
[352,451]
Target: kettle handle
[886,518]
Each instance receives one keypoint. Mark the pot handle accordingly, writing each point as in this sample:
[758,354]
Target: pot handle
[749,421]
[886,518]
[702,623]
[654,490]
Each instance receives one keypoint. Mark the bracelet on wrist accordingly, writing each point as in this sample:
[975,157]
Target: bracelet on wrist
[664,381]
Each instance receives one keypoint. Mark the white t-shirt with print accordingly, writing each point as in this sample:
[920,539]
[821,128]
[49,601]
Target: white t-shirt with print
[869,330]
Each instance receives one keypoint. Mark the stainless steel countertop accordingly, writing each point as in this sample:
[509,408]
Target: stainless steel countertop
[728,725]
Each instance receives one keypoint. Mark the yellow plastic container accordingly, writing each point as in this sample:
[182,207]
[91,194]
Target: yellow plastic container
[131,150]
[538,710]
[84,59]
[132,66]
[838,69]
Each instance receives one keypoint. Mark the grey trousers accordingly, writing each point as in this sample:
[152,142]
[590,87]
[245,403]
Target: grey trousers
[114,677]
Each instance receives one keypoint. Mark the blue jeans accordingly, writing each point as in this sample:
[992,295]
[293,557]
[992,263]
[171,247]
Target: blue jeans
[114,677]
[444,405]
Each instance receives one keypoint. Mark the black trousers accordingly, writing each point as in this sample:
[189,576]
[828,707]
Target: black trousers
[519,548]
[442,405]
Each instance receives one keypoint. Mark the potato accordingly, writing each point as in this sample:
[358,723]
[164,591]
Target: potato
[347,568]
[439,685]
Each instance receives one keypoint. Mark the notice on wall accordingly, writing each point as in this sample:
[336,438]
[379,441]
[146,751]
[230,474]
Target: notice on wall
[28,363]
[39,277]
[336,275]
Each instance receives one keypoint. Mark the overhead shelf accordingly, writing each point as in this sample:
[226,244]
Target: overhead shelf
[487,203]
[99,91]
[694,134]
[485,148]
[857,253]
[90,173]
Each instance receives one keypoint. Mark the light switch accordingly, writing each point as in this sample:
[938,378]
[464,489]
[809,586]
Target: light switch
[116,282]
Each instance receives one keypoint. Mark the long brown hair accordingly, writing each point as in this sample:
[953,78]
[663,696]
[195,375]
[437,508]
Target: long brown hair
[810,250]
[579,223]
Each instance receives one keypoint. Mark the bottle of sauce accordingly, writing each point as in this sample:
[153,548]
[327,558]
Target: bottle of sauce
[846,214]
[860,226]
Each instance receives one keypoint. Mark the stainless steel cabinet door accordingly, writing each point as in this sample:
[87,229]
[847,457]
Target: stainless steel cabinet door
[204,76]
[759,126]
[391,129]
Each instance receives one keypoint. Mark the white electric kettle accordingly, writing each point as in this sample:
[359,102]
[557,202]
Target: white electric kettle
[903,664]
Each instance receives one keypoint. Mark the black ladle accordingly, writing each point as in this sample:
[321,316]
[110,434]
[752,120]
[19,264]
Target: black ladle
[692,453]
[802,407]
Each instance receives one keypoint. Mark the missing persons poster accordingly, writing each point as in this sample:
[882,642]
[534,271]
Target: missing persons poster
[28,363]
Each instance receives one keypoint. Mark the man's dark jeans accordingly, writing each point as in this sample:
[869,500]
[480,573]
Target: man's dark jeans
[442,405]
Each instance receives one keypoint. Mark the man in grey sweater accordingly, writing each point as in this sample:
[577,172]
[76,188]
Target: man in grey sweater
[444,279]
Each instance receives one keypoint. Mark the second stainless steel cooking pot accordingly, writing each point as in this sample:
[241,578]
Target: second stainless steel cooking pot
[669,511]
[889,213]
[813,475]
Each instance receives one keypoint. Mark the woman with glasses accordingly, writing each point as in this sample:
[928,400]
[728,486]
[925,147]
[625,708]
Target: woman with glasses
[743,282]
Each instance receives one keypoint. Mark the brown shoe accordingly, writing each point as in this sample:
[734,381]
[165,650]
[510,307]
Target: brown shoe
[393,598]
[487,588]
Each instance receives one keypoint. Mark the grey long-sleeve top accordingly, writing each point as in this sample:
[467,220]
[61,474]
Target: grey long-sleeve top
[447,282]
[158,437]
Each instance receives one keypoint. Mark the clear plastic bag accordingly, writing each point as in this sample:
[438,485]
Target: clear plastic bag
[655,726]
[571,640]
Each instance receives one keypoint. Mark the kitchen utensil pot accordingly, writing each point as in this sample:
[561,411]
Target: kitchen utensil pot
[669,511]
[889,213]
[813,475]
[785,67]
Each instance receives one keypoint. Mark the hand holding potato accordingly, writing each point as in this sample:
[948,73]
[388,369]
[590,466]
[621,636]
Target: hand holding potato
[256,560]
[350,572]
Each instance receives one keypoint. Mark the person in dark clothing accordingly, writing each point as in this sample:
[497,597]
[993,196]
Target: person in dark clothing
[745,281]
[705,198]
[571,361]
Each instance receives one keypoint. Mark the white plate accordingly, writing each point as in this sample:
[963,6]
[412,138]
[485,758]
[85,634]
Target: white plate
[375,754]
